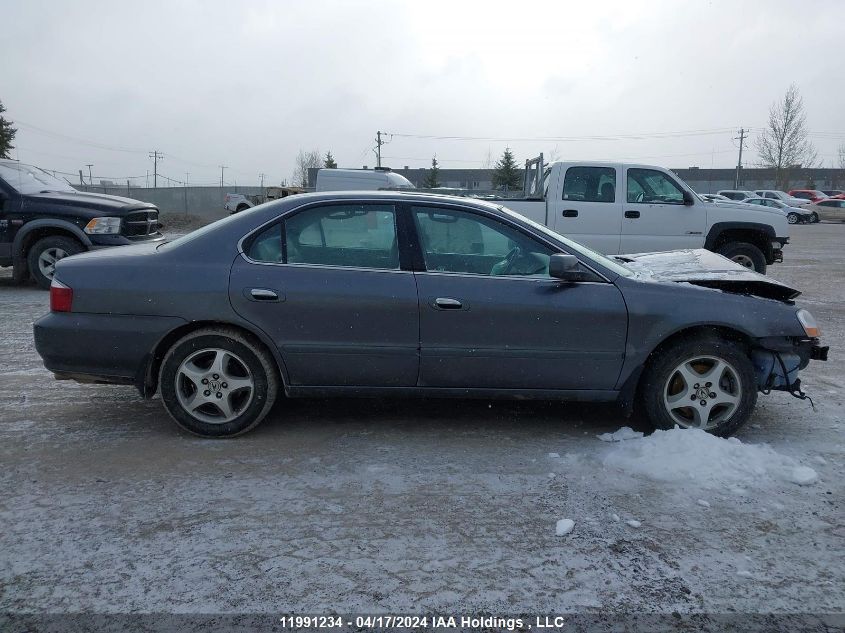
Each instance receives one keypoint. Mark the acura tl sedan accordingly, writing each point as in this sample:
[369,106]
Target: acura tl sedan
[387,293]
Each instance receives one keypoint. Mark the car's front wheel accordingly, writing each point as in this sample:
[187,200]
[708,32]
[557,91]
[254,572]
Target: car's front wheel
[704,382]
[814,218]
[745,254]
[217,382]
[792,218]
[45,254]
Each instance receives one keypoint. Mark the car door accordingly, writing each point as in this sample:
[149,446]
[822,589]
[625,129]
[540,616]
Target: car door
[831,210]
[655,216]
[588,208]
[491,317]
[326,284]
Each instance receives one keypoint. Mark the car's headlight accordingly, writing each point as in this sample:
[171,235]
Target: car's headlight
[811,328]
[101,226]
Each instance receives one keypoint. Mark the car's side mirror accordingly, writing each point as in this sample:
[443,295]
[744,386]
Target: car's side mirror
[565,267]
[689,199]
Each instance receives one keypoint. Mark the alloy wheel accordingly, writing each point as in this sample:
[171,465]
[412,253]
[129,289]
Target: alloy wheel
[47,260]
[214,385]
[744,260]
[702,392]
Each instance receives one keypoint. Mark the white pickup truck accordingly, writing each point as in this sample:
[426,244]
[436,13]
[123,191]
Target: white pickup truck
[619,208]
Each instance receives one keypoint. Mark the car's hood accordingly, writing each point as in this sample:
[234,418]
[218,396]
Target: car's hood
[744,206]
[92,200]
[705,268]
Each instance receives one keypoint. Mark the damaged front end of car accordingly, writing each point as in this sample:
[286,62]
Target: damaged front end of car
[776,359]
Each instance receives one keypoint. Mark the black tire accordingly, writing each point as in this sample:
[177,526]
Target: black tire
[246,354]
[792,218]
[745,254]
[242,207]
[663,367]
[814,218]
[54,243]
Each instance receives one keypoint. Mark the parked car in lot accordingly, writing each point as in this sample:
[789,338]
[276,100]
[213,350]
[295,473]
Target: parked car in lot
[713,197]
[237,202]
[834,193]
[44,219]
[737,194]
[388,293]
[832,210]
[775,194]
[813,195]
[794,215]
[626,208]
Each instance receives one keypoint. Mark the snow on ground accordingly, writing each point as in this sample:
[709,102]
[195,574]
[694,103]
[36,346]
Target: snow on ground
[694,459]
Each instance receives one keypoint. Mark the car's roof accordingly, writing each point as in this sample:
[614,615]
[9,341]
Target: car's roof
[408,196]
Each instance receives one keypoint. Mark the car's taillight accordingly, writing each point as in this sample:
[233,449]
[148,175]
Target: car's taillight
[61,297]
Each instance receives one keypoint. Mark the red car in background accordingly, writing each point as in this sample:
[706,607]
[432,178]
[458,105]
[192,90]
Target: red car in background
[813,195]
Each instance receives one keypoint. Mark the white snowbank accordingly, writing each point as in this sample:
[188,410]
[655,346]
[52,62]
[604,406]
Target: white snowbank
[633,523]
[693,456]
[564,527]
[625,433]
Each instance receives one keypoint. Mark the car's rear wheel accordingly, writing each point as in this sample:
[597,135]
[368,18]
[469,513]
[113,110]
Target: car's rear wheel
[704,382]
[45,254]
[218,382]
[792,218]
[745,254]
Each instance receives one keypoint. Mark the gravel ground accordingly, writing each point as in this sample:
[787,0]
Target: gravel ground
[408,506]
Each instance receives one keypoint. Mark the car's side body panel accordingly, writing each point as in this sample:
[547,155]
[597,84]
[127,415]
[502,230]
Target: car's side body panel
[332,325]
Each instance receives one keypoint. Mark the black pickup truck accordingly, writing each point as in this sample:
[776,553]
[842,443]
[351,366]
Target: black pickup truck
[43,219]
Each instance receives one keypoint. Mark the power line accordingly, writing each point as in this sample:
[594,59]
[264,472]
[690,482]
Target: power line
[616,137]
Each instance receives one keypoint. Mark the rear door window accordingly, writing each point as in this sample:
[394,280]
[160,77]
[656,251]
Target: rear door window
[348,235]
[590,184]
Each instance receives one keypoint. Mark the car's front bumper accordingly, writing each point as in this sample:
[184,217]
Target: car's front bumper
[100,347]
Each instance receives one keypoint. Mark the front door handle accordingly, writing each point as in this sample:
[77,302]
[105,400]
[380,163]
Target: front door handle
[262,294]
[445,303]
[632,214]
[570,213]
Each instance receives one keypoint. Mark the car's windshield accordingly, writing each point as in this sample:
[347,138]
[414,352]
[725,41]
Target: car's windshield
[28,179]
[608,263]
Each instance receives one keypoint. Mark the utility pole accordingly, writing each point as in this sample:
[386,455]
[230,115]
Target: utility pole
[741,139]
[379,143]
[261,175]
[90,177]
[187,175]
[222,167]
[156,156]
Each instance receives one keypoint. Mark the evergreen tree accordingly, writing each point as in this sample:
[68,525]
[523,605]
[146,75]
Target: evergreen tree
[7,135]
[329,162]
[432,177]
[506,174]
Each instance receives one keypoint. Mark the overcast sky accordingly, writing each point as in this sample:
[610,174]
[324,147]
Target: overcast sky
[247,84]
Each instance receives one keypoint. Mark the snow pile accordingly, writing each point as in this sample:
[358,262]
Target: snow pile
[693,456]
[564,527]
[625,433]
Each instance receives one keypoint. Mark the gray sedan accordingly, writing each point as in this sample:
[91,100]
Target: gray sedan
[383,294]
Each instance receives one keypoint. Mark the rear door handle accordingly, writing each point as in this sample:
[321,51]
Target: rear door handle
[570,213]
[262,294]
[445,303]
[632,214]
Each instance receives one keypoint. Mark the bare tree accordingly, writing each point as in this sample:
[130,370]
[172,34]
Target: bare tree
[841,153]
[304,161]
[488,162]
[784,143]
